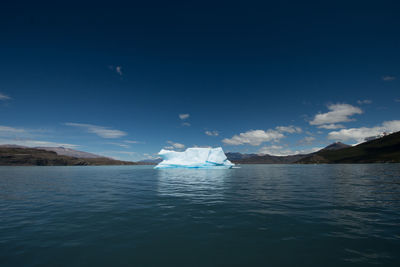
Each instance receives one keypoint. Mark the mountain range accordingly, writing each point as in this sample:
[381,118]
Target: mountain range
[14,155]
[380,150]
[385,149]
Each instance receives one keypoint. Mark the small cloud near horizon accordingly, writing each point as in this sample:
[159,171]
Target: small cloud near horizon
[174,145]
[35,143]
[6,130]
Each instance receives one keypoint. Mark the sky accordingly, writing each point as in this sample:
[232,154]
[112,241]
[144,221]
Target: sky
[126,79]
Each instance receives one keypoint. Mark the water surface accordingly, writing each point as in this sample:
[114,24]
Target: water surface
[258,215]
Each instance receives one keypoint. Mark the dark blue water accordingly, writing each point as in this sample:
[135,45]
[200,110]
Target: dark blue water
[258,215]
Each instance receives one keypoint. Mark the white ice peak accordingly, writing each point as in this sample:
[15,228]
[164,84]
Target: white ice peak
[194,157]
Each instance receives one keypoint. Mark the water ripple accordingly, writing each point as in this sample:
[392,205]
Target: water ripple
[347,215]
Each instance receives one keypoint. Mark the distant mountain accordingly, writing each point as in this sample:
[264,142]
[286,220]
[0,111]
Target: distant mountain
[20,156]
[336,146]
[150,161]
[232,156]
[263,159]
[240,158]
[381,150]
[71,152]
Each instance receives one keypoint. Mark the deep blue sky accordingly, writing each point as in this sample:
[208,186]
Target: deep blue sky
[70,72]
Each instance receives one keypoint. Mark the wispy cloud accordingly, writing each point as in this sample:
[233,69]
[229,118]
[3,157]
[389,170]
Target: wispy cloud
[4,96]
[212,133]
[359,134]
[18,133]
[119,144]
[331,126]
[117,69]
[337,113]
[119,155]
[254,137]
[388,78]
[307,140]
[35,143]
[202,146]
[132,142]
[101,131]
[184,116]
[7,131]
[174,145]
[363,102]
[187,124]
[289,129]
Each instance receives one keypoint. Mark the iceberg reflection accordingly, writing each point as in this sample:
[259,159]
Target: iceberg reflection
[192,183]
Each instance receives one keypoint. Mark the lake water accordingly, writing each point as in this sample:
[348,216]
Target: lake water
[257,215]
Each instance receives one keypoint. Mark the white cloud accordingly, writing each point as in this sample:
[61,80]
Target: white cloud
[281,151]
[184,116]
[174,145]
[388,78]
[212,133]
[337,113]
[101,131]
[4,97]
[359,134]
[365,101]
[289,129]
[34,143]
[187,124]
[22,137]
[254,137]
[132,142]
[331,126]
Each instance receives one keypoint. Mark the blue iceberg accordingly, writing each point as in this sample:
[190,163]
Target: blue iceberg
[195,157]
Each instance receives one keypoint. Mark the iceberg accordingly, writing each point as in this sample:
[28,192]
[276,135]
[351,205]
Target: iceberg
[195,157]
